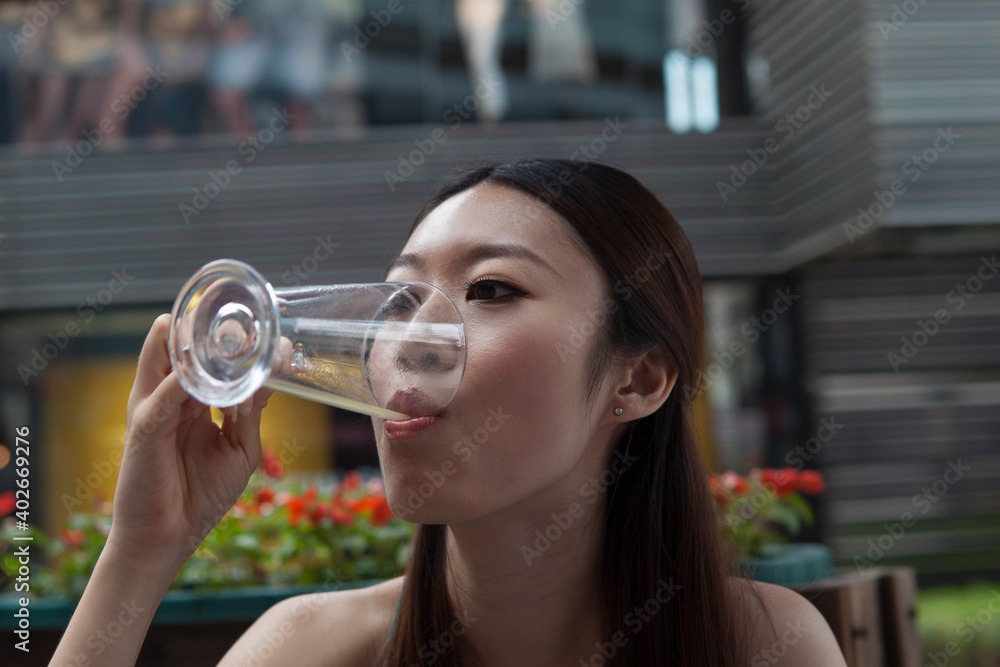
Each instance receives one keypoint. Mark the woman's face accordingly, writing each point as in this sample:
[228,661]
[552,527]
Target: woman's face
[518,427]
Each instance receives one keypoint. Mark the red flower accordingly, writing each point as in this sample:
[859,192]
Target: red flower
[735,483]
[340,516]
[316,514]
[72,538]
[811,482]
[352,480]
[7,503]
[382,514]
[784,482]
[295,508]
[270,465]
[265,495]
[311,492]
[363,505]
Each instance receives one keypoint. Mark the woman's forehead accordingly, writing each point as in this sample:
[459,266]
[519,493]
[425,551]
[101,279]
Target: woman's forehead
[495,214]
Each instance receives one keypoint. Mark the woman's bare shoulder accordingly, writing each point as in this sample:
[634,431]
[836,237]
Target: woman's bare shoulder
[787,628]
[343,627]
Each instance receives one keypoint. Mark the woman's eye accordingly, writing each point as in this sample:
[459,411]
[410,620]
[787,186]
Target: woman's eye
[486,290]
[399,305]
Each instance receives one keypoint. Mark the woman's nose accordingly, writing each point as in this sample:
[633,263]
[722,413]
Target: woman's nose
[433,339]
[420,331]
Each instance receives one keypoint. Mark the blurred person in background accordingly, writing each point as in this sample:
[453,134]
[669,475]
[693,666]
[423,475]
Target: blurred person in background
[12,13]
[68,67]
[561,48]
[480,23]
[276,47]
[176,39]
[102,69]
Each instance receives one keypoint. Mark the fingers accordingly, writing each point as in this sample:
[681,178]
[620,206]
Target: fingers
[243,430]
[282,362]
[160,412]
[154,361]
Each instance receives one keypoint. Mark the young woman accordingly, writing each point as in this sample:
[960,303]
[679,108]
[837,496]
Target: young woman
[564,513]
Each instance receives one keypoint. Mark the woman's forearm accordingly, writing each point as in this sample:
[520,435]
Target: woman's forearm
[111,620]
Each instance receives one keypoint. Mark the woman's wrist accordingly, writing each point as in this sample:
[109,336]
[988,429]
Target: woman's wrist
[138,559]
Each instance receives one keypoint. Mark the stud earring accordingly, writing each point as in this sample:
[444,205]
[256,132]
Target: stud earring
[618,411]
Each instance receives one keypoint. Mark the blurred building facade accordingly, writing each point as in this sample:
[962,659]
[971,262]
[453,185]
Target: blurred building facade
[835,167]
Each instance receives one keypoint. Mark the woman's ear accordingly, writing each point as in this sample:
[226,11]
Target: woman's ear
[647,382]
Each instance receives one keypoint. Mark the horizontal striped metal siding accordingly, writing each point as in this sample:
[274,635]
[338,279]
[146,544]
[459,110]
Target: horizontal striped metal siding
[858,319]
[939,69]
[901,429]
[122,210]
[827,165]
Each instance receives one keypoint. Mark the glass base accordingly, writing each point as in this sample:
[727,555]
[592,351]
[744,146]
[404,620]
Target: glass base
[222,333]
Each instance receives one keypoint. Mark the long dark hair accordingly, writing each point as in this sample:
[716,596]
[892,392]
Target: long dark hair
[661,525]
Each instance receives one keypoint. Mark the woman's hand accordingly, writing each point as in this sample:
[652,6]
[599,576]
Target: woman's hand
[180,472]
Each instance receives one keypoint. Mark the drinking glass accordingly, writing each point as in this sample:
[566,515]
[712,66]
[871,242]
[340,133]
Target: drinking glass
[389,350]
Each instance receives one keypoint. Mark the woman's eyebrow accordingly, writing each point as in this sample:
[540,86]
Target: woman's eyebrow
[474,254]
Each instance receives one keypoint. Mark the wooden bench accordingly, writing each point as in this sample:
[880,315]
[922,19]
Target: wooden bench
[873,615]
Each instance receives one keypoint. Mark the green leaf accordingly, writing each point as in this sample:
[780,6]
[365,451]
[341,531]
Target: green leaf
[801,505]
[247,541]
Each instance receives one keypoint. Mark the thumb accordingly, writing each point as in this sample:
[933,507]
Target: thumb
[158,413]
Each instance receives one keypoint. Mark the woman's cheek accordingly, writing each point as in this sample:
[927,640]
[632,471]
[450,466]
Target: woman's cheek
[523,375]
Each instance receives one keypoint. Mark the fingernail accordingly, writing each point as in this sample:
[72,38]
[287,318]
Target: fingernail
[245,409]
[198,409]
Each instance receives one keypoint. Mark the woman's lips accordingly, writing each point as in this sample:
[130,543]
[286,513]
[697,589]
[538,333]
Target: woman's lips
[399,429]
[413,403]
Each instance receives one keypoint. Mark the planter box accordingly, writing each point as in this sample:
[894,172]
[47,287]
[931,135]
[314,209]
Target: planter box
[190,628]
[792,564]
